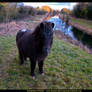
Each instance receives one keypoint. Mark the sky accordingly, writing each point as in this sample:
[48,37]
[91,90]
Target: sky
[53,5]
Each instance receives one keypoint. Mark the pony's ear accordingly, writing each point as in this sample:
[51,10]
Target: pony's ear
[52,25]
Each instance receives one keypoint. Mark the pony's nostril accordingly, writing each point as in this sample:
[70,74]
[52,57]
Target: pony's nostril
[47,50]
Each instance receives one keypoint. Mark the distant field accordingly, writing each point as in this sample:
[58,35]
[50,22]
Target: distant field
[82,22]
[67,66]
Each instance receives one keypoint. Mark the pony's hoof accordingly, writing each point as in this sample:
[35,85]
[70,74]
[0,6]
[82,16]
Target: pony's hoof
[33,77]
[21,64]
[43,74]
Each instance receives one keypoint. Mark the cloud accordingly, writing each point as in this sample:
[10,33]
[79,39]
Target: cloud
[56,5]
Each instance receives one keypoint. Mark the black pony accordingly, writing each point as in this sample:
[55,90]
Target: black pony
[35,45]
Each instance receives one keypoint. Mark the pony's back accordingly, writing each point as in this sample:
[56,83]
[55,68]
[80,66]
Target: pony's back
[21,33]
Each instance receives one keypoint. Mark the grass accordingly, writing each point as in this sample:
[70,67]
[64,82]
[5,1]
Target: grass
[82,22]
[67,66]
[6,43]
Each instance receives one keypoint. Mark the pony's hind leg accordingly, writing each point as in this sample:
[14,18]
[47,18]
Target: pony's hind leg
[21,59]
[25,59]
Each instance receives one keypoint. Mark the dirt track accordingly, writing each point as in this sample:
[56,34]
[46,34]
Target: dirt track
[12,27]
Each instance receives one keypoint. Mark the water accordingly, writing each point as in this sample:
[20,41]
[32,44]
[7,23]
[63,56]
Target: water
[72,32]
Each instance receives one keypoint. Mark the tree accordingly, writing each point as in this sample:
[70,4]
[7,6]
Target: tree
[38,8]
[89,11]
[65,11]
[47,8]
[83,10]
[2,12]
[3,4]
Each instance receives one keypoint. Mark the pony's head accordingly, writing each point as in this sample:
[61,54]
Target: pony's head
[46,32]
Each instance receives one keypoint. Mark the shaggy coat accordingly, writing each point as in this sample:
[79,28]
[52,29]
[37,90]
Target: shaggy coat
[35,44]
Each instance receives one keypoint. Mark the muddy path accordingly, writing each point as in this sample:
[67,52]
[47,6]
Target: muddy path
[13,27]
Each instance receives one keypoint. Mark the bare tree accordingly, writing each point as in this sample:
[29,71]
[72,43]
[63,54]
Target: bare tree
[11,9]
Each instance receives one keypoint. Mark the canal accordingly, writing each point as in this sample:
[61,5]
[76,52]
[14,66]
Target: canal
[72,32]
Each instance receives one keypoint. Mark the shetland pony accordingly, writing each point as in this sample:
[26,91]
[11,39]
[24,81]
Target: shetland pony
[35,45]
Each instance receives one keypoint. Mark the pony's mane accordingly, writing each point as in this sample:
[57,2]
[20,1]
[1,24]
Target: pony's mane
[36,32]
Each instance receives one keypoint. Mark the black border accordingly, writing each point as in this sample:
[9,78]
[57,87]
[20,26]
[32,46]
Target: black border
[45,0]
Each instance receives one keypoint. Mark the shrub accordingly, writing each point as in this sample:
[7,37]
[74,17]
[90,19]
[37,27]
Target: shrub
[11,11]
[2,13]
[41,12]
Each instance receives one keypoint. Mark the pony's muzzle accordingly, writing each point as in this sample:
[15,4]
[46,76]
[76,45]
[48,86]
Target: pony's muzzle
[46,50]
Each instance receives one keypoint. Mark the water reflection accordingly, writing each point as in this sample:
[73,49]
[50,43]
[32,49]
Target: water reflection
[82,37]
[72,32]
[60,25]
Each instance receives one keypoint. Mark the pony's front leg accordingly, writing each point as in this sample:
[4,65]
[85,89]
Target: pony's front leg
[40,64]
[33,65]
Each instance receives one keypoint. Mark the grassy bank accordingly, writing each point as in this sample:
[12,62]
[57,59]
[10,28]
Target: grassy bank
[82,22]
[67,66]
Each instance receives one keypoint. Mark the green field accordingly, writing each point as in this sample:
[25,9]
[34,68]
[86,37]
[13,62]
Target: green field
[82,22]
[67,66]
